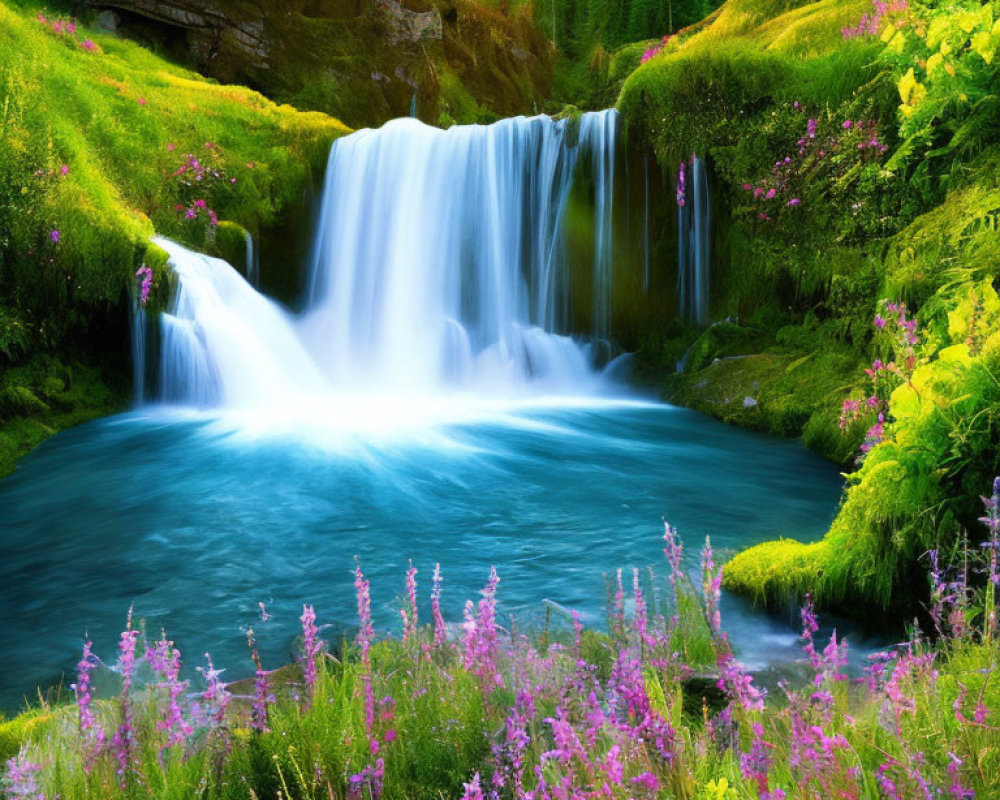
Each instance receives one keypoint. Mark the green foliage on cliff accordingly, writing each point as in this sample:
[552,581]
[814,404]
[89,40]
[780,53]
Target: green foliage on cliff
[802,273]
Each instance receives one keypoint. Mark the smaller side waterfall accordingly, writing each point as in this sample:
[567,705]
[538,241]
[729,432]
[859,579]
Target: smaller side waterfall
[138,353]
[222,343]
[694,238]
[597,134]
[252,270]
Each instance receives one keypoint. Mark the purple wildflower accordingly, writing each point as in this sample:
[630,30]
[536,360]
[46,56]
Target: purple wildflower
[365,636]
[124,740]
[147,283]
[312,647]
[173,722]
[410,616]
[956,790]
[473,791]
[754,765]
[480,646]
[215,696]
[262,692]
[440,631]
[711,581]
[93,733]
[20,780]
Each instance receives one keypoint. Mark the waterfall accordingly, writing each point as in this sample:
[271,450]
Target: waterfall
[597,134]
[694,237]
[252,270]
[438,264]
[139,348]
[223,343]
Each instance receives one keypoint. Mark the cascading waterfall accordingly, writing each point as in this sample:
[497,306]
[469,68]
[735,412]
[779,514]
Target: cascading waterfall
[438,262]
[694,237]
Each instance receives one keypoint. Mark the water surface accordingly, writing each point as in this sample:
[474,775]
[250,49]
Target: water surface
[194,519]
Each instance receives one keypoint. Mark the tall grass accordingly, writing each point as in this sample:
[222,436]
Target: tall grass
[486,712]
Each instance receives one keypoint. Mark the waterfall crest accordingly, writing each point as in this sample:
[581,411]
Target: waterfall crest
[438,263]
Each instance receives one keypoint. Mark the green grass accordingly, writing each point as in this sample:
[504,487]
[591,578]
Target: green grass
[436,724]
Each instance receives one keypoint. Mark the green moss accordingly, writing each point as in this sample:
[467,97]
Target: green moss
[780,391]
[45,396]
[775,572]
[231,243]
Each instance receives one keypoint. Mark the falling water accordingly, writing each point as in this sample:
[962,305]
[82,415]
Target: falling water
[597,134]
[438,263]
[694,235]
[138,353]
[252,270]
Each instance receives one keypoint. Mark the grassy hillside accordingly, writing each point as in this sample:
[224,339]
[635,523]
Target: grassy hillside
[825,221]
[93,133]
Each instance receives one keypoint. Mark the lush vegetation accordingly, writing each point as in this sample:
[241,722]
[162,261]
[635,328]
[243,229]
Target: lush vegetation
[97,141]
[657,707]
[855,147]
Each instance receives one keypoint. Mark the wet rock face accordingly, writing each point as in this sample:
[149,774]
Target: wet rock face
[411,26]
[363,61]
[210,27]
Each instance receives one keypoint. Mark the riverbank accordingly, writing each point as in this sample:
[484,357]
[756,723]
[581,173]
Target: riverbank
[493,712]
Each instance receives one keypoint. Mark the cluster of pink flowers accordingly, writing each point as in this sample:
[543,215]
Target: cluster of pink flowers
[195,209]
[816,158]
[124,741]
[892,322]
[66,27]
[409,615]
[92,732]
[20,781]
[681,186]
[215,698]
[480,643]
[871,24]
[146,283]
[656,49]
[200,176]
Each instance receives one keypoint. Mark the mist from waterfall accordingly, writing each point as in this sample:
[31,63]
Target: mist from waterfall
[438,266]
